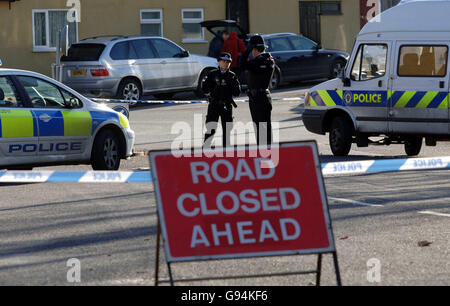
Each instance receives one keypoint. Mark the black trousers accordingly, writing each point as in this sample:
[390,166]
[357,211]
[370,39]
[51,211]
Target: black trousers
[261,111]
[225,113]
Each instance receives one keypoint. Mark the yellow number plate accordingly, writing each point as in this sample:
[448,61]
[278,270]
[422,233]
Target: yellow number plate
[78,72]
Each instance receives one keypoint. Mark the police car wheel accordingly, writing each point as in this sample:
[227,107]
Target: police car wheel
[340,136]
[106,151]
[413,145]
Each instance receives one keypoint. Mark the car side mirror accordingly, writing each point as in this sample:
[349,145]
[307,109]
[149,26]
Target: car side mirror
[318,47]
[346,82]
[72,103]
[341,74]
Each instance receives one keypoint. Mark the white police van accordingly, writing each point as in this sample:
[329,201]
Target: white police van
[395,85]
[43,122]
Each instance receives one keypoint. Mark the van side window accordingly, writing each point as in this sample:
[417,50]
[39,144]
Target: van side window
[370,62]
[422,61]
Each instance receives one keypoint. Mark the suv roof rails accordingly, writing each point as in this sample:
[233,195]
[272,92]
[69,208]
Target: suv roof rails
[113,37]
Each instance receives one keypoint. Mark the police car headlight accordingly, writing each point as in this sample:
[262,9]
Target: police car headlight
[124,121]
[307,99]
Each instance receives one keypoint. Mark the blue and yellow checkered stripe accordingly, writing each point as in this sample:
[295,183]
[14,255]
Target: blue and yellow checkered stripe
[18,123]
[398,99]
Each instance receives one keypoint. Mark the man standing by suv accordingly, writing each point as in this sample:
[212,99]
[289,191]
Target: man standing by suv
[260,70]
[220,85]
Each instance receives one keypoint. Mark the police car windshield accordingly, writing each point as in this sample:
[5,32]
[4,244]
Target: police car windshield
[83,52]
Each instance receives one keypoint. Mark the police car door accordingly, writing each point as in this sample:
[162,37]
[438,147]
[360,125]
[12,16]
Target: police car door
[418,102]
[63,133]
[367,94]
[18,133]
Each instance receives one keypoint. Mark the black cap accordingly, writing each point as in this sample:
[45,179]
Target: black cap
[257,41]
[224,56]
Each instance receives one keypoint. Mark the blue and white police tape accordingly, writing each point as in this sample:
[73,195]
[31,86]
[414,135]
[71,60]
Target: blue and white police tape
[182,101]
[328,169]
[385,165]
[75,177]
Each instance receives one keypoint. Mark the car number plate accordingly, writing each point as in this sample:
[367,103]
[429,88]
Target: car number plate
[78,72]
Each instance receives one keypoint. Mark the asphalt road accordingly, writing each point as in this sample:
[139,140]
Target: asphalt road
[111,229]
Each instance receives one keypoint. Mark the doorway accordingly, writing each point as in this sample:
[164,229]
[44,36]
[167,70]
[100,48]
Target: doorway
[238,10]
[310,20]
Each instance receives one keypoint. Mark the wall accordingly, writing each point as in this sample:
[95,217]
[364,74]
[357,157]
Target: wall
[121,17]
[98,17]
[337,31]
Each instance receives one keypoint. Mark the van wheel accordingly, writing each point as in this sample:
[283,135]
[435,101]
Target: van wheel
[106,151]
[413,145]
[340,136]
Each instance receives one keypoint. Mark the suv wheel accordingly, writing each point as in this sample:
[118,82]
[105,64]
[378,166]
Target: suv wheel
[413,145]
[106,151]
[129,90]
[340,136]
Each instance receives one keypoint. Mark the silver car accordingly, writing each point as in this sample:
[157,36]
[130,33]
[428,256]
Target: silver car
[130,67]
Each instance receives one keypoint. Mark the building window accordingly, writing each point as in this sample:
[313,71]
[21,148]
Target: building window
[192,31]
[46,24]
[152,22]
[330,8]
[387,4]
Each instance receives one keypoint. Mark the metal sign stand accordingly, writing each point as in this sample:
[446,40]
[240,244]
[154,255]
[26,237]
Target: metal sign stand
[172,281]
[299,252]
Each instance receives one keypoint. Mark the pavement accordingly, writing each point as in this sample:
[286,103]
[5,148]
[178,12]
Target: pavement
[111,229]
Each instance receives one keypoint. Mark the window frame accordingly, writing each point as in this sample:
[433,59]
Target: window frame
[360,64]
[153,21]
[421,76]
[329,12]
[130,46]
[288,41]
[302,38]
[193,21]
[165,40]
[17,87]
[60,90]
[47,47]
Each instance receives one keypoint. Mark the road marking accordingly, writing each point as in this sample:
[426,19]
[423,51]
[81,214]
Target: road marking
[354,202]
[427,212]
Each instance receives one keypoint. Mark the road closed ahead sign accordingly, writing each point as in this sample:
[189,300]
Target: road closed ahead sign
[242,206]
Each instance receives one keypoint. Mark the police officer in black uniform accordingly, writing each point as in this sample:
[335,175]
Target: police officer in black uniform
[259,75]
[220,86]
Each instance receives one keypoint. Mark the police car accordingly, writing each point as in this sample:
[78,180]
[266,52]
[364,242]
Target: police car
[43,122]
[395,85]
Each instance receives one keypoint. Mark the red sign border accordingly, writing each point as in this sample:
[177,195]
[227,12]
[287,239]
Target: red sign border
[160,212]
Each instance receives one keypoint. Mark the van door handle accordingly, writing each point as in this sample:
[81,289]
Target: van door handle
[380,83]
[441,84]
[44,117]
[163,62]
